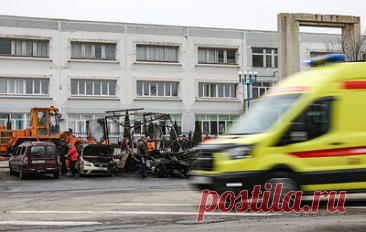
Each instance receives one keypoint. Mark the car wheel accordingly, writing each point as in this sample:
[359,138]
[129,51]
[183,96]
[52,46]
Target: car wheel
[56,175]
[21,174]
[11,171]
[288,185]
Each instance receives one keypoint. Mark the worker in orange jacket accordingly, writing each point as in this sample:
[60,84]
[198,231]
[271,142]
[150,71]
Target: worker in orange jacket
[150,144]
[90,141]
[125,144]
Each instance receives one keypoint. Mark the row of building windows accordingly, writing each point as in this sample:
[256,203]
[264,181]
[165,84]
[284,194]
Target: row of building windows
[108,88]
[261,57]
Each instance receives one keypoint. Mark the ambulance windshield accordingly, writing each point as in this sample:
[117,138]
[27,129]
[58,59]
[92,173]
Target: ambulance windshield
[264,114]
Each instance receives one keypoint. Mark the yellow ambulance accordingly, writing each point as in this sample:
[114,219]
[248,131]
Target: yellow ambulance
[309,133]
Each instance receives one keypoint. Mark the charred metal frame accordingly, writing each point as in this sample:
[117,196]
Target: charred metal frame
[122,113]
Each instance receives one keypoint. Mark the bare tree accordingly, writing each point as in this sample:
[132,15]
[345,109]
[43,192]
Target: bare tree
[354,48]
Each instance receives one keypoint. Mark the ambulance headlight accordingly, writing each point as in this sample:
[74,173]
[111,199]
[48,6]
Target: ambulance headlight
[239,152]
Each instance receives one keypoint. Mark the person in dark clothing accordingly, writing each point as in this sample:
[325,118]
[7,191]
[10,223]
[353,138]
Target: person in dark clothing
[184,143]
[176,145]
[64,149]
[142,154]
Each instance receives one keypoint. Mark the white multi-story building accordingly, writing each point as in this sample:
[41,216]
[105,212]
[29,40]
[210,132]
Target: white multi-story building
[87,68]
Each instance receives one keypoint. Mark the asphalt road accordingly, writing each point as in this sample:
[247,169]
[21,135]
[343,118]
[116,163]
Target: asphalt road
[128,203]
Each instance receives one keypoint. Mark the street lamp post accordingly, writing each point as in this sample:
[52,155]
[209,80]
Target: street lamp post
[247,79]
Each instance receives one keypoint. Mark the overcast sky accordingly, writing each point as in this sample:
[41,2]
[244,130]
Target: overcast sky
[238,14]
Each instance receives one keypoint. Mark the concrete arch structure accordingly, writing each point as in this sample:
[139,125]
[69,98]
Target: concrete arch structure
[288,35]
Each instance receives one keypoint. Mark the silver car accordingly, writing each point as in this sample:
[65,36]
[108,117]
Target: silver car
[96,159]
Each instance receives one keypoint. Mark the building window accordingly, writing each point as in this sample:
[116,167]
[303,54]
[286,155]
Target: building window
[216,56]
[157,89]
[157,53]
[165,125]
[215,124]
[77,122]
[29,48]
[261,88]
[207,90]
[96,88]
[93,51]
[18,121]
[174,118]
[23,86]
[265,57]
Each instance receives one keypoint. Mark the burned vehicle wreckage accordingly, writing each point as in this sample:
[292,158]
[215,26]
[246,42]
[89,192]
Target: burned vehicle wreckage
[168,164]
[99,157]
[96,159]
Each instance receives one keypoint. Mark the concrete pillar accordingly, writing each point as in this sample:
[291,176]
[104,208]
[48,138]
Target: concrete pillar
[288,39]
[351,40]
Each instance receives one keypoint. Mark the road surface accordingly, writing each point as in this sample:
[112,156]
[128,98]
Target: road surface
[128,203]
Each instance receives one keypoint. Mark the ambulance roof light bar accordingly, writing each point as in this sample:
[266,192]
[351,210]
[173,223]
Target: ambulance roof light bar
[325,59]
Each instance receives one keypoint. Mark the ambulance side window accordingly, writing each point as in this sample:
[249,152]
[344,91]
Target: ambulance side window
[312,123]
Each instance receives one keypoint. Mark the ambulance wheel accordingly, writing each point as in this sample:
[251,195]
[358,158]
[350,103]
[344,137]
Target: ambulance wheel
[288,185]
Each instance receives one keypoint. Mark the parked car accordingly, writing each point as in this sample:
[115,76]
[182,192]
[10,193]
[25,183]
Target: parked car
[96,159]
[35,157]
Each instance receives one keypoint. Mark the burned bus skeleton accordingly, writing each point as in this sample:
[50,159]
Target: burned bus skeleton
[161,162]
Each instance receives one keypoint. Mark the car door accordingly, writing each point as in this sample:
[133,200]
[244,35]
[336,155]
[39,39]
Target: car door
[22,155]
[312,139]
[14,162]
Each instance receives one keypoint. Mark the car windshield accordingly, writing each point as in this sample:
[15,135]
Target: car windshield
[264,114]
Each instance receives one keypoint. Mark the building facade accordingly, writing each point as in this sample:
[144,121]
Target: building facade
[87,68]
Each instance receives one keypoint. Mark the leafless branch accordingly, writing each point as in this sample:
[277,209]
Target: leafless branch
[354,48]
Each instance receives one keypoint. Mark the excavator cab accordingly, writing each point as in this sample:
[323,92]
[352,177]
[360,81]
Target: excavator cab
[45,122]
